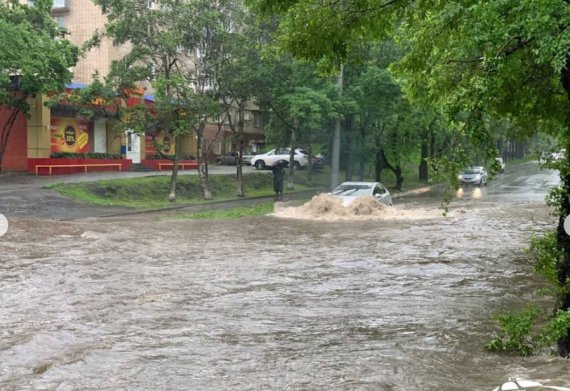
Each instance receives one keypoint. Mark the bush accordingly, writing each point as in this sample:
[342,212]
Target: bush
[519,332]
[515,335]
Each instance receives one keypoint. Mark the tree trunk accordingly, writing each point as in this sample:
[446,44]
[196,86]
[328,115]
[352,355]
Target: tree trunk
[310,168]
[240,192]
[291,171]
[174,176]
[396,170]
[378,166]
[423,169]
[379,163]
[6,131]
[203,166]
[563,239]
[335,163]
[349,145]
[399,178]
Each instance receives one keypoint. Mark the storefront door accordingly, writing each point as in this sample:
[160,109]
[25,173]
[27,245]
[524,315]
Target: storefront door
[133,147]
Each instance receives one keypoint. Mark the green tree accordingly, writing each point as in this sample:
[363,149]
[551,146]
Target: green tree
[35,60]
[298,101]
[498,60]
[473,60]
[239,79]
[174,46]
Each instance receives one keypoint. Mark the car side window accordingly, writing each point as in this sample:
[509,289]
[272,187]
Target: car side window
[379,190]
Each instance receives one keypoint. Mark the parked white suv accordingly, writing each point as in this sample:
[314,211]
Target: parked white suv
[268,159]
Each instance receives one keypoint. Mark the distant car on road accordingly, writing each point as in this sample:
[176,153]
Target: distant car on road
[268,159]
[349,191]
[473,176]
[229,158]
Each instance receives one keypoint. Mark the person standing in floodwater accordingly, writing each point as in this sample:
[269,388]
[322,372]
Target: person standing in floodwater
[278,178]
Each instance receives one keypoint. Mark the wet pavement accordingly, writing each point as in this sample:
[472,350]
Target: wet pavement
[399,302]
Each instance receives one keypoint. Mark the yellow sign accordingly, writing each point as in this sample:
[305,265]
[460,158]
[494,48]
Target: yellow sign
[70,135]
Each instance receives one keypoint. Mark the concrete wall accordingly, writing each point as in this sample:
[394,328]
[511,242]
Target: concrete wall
[15,156]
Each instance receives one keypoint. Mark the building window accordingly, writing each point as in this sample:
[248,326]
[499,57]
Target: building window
[59,4]
[257,120]
[60,20]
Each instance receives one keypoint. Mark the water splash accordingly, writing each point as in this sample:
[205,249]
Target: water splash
[329,208]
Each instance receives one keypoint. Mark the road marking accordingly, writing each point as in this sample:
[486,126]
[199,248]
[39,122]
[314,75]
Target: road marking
[3,225]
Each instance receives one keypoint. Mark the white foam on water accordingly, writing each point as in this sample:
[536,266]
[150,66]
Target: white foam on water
[329,208]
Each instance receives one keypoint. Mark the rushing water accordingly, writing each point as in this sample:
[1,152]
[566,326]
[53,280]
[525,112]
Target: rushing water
[268,303]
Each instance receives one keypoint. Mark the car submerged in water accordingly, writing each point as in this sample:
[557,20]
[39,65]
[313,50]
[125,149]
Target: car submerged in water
[349,191]
[473,176]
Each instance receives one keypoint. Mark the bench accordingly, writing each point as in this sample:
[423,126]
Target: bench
[84,165]
[181,165]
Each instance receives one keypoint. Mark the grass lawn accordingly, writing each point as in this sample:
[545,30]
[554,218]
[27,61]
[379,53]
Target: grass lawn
[152,192]
[255,210]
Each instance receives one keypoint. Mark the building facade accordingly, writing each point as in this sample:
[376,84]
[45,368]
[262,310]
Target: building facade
[60,131]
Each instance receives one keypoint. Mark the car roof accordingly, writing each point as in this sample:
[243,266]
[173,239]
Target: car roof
[360,183]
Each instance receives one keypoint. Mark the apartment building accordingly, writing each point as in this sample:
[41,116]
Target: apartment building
[61,130]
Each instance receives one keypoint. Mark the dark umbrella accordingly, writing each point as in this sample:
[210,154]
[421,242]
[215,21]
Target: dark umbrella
[281,163]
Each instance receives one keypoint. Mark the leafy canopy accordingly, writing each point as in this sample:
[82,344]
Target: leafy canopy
[35,58]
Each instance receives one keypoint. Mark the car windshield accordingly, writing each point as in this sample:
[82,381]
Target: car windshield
[472,171]
[352,190]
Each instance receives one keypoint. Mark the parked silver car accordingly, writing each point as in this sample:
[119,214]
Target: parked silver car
[473,176]
[349,191]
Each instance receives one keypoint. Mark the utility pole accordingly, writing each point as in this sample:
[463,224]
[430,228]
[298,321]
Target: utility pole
[336,139]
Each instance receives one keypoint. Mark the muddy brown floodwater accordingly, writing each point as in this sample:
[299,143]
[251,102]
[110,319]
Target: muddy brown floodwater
[269,303]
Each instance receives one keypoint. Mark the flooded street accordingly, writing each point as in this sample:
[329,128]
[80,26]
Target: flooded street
[275,302]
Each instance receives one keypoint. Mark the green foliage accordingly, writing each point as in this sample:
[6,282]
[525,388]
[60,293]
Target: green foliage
[151,192]
[35,56]
[329,32]
[545,254]
[35,59]
[530,330]
[557,328]
[234,213]
[516,332]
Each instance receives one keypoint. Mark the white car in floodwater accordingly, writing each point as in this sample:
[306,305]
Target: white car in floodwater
[349,191]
